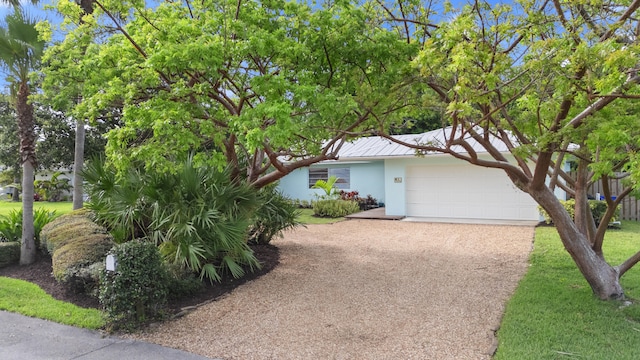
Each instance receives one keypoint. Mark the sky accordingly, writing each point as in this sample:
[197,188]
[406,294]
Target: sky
[34,11]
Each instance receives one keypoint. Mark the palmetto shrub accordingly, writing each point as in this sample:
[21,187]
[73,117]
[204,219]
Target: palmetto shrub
[196,216]
[275,214]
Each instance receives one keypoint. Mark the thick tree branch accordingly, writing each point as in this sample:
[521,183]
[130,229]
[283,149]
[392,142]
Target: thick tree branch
[628,264]
[602,102]
[608,215]
[627,14]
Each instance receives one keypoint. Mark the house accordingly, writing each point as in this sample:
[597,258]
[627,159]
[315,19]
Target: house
[434,186]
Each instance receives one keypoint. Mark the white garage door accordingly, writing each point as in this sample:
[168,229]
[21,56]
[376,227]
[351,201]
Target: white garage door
[466,192]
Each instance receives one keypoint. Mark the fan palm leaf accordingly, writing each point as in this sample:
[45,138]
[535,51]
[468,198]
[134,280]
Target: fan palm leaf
[20,46]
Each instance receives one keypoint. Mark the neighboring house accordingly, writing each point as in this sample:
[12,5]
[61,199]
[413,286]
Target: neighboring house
[436,186]
[62,175]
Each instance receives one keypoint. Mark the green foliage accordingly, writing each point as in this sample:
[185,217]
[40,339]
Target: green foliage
[136,291]
[67,228]
[423,122]
[328,186]
[9,141]
[183,282]
[11,224]
[335,208]
[56,137]
[301,204]
[20,46]
[598,209]
[197,216]
[9,253]
[553,294]
[76,263]
[53,189]
[275,215]
[77,246]
[253,78]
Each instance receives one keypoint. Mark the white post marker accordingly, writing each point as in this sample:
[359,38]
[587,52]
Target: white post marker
[111,263]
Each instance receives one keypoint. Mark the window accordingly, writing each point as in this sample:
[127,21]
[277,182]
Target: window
[343,175]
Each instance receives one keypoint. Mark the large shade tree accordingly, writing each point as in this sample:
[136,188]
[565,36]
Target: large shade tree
[553,81]
[20,51]
[263,87]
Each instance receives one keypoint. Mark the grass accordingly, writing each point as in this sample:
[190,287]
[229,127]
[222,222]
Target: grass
[29,299]
[306,217]
[61,208]
[554,315]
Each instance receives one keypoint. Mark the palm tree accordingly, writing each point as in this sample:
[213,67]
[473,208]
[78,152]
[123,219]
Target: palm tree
[20,52]
[16,3]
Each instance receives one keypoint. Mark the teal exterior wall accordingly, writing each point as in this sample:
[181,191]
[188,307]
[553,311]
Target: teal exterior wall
[367,178]
[394,179]
[394,172]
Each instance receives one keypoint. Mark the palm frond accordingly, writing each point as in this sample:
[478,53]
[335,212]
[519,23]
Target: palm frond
[210,272]
[234,268]
[20,45]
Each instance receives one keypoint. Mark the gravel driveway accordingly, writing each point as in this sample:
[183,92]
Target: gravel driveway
[366,289]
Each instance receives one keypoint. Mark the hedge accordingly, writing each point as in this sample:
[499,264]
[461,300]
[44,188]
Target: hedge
[78,247]
[9,253]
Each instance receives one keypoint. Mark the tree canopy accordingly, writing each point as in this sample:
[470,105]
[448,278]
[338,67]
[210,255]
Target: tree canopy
[265,87]
[553,82]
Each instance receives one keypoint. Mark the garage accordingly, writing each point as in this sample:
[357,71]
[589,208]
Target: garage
[464,191]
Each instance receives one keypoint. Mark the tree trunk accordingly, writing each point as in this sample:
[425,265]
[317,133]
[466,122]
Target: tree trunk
[602,277]
[15,194]
[28,249]
[78,161]
[28,158]
[583,216]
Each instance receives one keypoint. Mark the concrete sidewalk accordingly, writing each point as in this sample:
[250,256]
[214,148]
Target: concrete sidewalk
[23,337]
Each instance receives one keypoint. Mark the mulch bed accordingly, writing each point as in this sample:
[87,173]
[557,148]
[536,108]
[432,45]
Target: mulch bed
[39,273]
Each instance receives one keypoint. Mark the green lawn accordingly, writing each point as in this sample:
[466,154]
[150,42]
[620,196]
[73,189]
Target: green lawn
[29,299]
[306,217]
[60,207]
[553,314]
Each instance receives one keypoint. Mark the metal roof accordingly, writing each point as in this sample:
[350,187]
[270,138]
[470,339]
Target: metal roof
[379,147]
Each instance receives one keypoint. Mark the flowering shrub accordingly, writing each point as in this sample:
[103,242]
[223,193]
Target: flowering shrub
[363,203]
